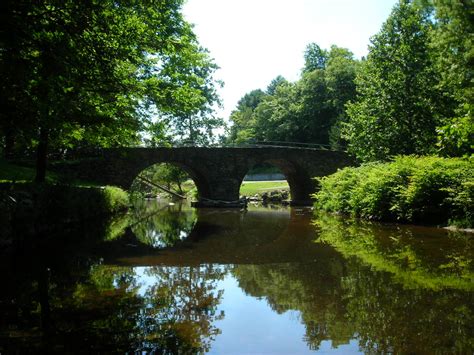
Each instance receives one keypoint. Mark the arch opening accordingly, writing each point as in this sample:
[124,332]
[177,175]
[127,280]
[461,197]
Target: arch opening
[170,181]
[299,184]
[267,182]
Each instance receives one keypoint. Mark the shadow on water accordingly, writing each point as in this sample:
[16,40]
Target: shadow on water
[161,279]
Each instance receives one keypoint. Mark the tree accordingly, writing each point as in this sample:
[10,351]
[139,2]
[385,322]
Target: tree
[398,104]
[314,58]
[310,110]
[275,83]
[171,175]
[98,66]
[340,81]
[243,119]
[316,113]
[276,115]
[193,129]
[324,93]
[453,45]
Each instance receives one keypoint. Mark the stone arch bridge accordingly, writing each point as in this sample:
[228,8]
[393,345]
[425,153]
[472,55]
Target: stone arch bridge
[217,172]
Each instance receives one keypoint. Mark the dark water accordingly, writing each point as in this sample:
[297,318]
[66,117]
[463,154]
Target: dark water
[171,279]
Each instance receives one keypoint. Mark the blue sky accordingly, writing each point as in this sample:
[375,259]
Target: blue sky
[253,41]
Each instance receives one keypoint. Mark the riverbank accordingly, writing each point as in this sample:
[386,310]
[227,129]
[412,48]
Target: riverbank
[423,190]
[27,208]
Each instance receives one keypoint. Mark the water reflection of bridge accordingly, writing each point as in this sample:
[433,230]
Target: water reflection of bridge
[232,237]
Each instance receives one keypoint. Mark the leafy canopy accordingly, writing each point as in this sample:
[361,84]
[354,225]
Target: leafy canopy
[98,72]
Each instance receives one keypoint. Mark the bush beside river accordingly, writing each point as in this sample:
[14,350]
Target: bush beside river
[430,190]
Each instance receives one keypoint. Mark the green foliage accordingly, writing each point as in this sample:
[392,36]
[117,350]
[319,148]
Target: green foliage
[398,105]
[410,189]
[98,73]
[275,117]
[171,176]
[310,110]
[115,199]
[456,138]
[453,44]
[314,58]
[274,84]
[452,47]
[243,128]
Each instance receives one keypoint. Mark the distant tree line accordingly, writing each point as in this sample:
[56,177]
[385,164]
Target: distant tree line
[309,110]
[100,73]
[413,94]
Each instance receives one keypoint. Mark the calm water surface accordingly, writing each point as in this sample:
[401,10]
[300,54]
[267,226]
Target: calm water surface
[172,279]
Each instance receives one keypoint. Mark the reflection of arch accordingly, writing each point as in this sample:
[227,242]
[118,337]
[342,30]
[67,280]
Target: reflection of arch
[231,237]
[298,179]
[199,180]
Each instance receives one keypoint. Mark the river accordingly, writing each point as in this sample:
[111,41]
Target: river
[175,280]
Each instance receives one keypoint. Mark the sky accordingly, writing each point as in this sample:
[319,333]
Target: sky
[254,41]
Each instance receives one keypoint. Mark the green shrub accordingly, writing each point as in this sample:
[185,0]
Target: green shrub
[116,199]
[335,190]
[411,189]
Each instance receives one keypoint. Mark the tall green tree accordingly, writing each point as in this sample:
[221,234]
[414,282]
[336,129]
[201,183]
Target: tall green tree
[243,117]
[323,94]
[276,115]
[93,69]
[315,113]
[453,42]
[398,105]
[340,81]
[453,46]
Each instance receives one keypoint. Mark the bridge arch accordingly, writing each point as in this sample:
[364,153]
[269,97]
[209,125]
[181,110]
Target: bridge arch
[199,180]
[296,176]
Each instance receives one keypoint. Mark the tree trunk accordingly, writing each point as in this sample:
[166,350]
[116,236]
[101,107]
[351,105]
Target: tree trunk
[9,143]
[41,155]
[191,130]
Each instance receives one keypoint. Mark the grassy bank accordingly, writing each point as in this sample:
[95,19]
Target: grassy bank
[14,173]
[429,190]
[249,188]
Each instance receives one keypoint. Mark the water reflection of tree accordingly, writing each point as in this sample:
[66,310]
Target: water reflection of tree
[166,228]
[405,291]
[174,312]
[437,261]
[314,289]
[184,304]
[390,318]
[110,309]
[394,292]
